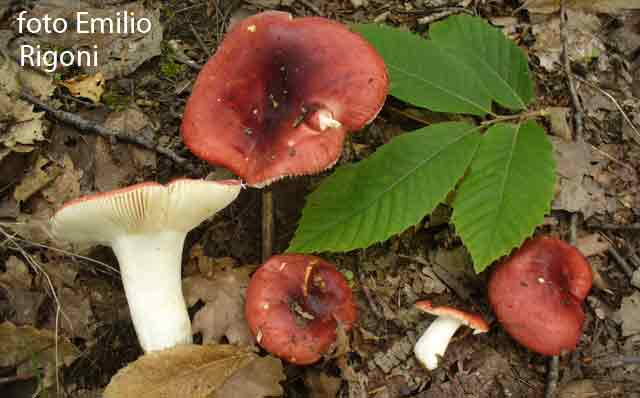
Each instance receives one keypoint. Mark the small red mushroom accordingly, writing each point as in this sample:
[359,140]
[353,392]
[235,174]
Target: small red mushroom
[293,306]
[280,94]
[537,295]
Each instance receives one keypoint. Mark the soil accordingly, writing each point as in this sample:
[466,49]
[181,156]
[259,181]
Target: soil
[425,262]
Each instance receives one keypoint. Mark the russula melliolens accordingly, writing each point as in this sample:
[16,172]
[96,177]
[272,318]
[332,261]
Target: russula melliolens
[537,295]
[279,95]
[434,341]
[293,306]
[145,225]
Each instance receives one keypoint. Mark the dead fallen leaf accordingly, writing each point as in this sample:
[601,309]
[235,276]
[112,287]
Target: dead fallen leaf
[17,282]
[87,86]
[321,385]
[592,244]
[29,347]
[559,125]
[189,371]
[629,314]
[66,186]
[583,42]
[119,54]
[261,378]
[36,179]
[223,293]
[604,6]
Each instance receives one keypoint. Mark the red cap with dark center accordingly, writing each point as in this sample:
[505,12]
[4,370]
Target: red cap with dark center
[280,94]
[537,295]
[293,306]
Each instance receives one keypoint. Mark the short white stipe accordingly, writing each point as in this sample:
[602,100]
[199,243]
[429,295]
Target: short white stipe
[433,343]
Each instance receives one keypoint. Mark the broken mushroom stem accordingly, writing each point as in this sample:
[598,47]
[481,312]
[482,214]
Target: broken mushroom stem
[434,341]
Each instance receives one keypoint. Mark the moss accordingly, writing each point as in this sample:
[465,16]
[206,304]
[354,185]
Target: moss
[116,101]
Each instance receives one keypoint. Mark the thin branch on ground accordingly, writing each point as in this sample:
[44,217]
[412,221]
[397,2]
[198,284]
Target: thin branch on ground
[615,102]
[268,227]
[615,227]
[88,126]
[519,117]
[312,7]
[624,265]
[201,42]
[553,371]
[442,13]
[578,112]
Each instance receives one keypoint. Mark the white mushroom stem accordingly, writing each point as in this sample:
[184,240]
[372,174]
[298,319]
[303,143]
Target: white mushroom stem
[150,265]
[326,120]
[433,343]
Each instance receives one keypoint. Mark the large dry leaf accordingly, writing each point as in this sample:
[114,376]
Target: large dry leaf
[604,6]
[118,54]
[261,378]
[187,371]
[39,177]
[223,292]
[34,349]
[16,281]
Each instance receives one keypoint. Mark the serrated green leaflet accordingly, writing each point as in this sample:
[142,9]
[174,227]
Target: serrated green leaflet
[506,193]
[464,66]
[388,192]
[425,75]
[499,63]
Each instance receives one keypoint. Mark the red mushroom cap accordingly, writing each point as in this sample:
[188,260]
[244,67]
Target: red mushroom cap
[293,306]
[537,294]
[469,319]
[265,105]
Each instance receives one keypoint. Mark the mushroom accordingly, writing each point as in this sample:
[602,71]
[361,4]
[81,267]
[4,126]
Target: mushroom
[295,303]
[434,341]
[145,225]
[280,94]
[537,294]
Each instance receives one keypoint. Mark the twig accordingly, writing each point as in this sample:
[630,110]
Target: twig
[628,270]
[553,371]
[268,228]
[615,227]
[442,13]
[312,7]
[88,126]
[12,379]
[201,42]
[612,99]
[578,113]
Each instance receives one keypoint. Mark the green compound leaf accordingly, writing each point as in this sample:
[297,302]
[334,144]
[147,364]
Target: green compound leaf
[388,192]
[499,63]
[425,75]
[506,193]
[465,66]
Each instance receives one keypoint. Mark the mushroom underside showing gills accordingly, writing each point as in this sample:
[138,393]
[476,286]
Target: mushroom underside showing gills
[146,225]
[280,94]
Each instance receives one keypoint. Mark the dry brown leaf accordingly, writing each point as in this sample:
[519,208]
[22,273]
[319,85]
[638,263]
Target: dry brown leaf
[593,244]
[261,378]
[604,6]
[321,385]
[38,178]
[87,86]
[187,371]
[629,314]
[17,282]
[66,186]
[223,293]
[29,346]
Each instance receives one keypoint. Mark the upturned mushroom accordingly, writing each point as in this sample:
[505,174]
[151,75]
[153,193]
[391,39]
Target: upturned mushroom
[434,341]
[280,94]
[294,304]
[145,225]
[537,295]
